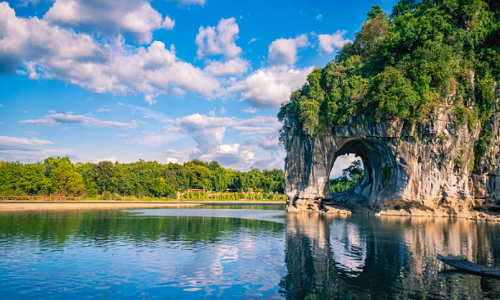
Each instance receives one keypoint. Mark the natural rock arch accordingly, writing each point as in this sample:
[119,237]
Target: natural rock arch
[380,171]
[425,167]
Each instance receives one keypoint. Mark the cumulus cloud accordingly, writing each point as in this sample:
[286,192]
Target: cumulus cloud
[228,149]
[131,18]
[230,67]
[70,119]
[284,51]
[44,50]
[327,42]
[270,143]
[179,156]
[112,159]
[168,23]
[218,40]
[269,87]
[209,132]
[172,160]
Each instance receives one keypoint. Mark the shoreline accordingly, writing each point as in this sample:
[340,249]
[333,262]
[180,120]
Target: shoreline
[9,206]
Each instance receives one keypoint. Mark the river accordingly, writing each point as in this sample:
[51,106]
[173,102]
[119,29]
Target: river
[242,252]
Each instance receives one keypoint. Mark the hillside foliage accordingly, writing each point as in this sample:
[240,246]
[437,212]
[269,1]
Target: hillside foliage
[58,175]
[425,55]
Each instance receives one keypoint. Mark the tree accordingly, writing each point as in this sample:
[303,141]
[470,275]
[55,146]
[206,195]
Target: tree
[63,176]
[104,174]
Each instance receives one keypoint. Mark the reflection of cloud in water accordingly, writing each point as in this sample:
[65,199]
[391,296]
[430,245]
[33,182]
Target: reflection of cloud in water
[348,247]
[276,216]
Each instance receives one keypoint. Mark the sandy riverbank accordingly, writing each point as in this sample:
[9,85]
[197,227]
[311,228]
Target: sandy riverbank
[27,206]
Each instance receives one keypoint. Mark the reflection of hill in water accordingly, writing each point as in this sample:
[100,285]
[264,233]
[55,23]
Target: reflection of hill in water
[386,257]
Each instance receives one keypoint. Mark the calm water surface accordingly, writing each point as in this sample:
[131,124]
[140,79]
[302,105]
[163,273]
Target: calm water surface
[246,252]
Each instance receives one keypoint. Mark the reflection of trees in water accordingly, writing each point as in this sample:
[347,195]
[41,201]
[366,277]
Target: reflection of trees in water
[102,226]
[386,257]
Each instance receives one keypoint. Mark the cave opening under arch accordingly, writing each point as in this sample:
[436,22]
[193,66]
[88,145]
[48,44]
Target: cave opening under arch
[380,171]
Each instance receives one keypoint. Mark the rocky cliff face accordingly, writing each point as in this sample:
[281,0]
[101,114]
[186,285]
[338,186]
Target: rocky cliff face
[425,168]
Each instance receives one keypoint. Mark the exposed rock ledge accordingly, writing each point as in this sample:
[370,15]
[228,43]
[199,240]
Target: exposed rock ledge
[424,169]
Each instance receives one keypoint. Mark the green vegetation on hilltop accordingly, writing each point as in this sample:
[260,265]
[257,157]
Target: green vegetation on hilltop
[140,179]
[423,56]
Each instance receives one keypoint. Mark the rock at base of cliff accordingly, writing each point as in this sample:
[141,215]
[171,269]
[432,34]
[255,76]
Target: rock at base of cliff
[335,210]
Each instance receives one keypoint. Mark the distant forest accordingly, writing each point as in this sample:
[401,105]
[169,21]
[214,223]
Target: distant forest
[58,175]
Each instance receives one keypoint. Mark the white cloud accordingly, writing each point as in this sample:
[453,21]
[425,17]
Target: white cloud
[252,40]
[250,110]
[122,134]
[70,119]
[269,87]
[149,99]
[1,105]
[148,112]
[189,2]
[154,139]
[54,52]
[32,155]
[172,160]
[222,110]
[218,40]
[328,41]
[179,156]
[248,156]
[98,110]
[284,51]
[112,159]
[132,18]
[270,143]
[228,149]
[209,132]
[230,67]
[23,144]
[319,17]
[168,23]
[343,162]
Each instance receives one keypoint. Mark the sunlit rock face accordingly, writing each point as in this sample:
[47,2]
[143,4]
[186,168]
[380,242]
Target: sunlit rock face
[424,169]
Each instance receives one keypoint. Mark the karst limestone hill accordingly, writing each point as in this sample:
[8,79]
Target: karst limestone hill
[416,97]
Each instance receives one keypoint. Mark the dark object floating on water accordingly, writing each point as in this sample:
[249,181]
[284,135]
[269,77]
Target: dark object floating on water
[464,265]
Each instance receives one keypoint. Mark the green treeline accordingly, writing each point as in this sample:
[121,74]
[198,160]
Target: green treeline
[58,175]
[351,176]
[426,55]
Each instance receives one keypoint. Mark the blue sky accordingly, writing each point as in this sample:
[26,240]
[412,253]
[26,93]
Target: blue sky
[165,80]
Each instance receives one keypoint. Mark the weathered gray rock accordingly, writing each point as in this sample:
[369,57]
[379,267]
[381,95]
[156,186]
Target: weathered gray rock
[425,168]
